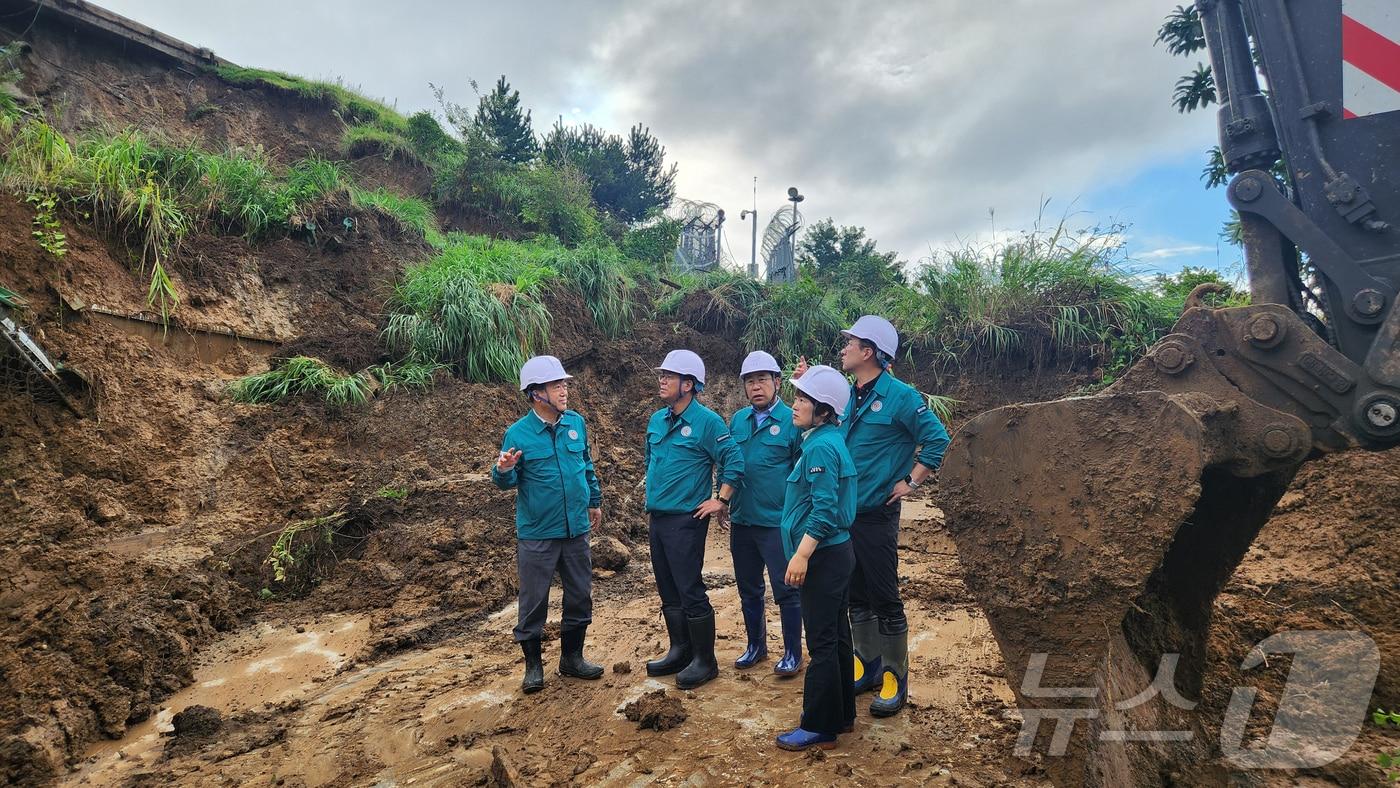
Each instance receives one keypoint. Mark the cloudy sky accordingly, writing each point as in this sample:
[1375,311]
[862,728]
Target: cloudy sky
[930,123]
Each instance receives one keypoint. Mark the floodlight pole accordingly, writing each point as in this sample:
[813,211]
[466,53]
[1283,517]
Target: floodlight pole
[753,244]
[794,197]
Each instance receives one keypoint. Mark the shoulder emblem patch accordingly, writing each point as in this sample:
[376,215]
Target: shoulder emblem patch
[573,435]
[923,409]
[686,430]
[774,430]
[877,405]
[816,469]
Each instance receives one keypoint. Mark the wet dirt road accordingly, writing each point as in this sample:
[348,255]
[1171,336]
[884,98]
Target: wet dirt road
[299,711]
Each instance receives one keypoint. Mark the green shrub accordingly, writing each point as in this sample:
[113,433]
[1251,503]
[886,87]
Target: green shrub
[428,140]
[653,243]
[552,200]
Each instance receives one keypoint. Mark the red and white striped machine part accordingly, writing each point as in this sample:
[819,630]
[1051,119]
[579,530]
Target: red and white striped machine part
[1370,57]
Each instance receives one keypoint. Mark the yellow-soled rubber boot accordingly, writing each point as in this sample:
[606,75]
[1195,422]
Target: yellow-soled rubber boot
[894,678]
[865,638]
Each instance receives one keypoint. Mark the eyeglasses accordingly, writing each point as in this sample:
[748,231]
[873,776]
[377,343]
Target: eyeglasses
[666,377]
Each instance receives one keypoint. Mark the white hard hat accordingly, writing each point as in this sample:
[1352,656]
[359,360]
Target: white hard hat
[824,384]
[760,361]
[685,362]
[540,370]
[876,330]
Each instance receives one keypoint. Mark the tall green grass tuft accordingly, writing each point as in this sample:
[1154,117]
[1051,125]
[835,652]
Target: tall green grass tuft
[365,139]
[598,273]
[716,300]
[793,320]
[305,375]
[1043,295]
[410,212]
[352,106]
[153,193]
[476,306]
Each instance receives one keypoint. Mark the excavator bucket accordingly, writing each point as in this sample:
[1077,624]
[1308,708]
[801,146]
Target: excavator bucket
[1095,533]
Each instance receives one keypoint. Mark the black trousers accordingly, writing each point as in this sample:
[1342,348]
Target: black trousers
[677,558]
[875,582]
[537,560]
[753,547]
[828,702]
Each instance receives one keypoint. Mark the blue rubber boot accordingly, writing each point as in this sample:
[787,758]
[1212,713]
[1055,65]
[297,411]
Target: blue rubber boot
[791,663]
[798,740]
[865,638]
[757,629]
[894,679]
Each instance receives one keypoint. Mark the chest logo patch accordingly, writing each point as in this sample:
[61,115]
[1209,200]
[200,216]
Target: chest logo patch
[774,430]
[573,435]
[686,430]
[877,405]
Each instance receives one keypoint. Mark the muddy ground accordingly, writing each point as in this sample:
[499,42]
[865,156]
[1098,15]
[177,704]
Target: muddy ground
[134,543]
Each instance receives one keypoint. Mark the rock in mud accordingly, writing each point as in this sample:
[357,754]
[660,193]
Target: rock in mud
[610,553]
[622,667]
[105,510]
[655,710]
[197,721]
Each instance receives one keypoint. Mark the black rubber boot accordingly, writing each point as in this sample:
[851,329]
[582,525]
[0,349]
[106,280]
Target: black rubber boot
[678,656]
[571,661]
[703,666]
[534,666]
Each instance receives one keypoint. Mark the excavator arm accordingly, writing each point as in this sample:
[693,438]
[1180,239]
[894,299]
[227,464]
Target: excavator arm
[1095,532]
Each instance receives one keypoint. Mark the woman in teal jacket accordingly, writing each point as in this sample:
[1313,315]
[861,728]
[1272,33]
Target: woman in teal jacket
[818,506]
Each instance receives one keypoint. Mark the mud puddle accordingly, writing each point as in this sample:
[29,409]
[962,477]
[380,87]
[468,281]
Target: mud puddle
[454,714]
[262,665]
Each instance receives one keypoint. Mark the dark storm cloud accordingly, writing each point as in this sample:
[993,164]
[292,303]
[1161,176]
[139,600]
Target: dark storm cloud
[911,118]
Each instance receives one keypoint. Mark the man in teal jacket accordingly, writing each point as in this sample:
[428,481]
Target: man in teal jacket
[545,457]
[885,422]
[770,444]
[685,443]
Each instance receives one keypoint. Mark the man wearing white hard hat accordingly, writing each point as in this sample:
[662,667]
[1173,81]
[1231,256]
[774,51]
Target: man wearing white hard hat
[686,443]
[770,445]
[886,422]
[819,504]
[545,458]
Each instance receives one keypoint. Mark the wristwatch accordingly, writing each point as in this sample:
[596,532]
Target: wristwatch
[909,480]
[722,499]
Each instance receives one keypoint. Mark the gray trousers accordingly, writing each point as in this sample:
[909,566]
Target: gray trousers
[537,560]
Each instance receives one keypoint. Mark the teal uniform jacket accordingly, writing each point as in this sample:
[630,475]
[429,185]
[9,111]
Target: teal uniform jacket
[554,477]
[770,452]
[820,495]
[682,453]
[883,433]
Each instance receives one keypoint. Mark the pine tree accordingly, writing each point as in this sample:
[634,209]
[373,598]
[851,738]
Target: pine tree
[629,177]
[500,119]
